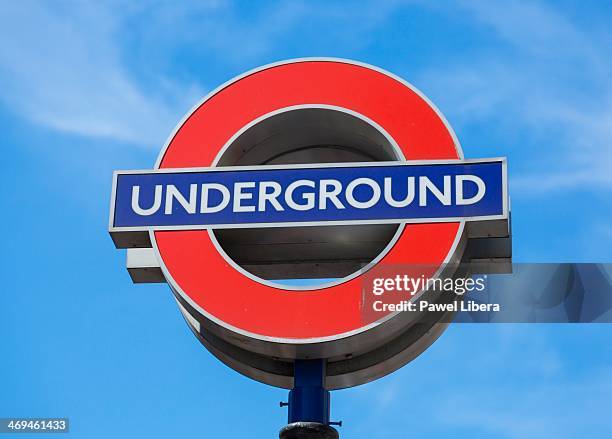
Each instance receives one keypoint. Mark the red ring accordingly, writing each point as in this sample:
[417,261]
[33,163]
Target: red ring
[198,270]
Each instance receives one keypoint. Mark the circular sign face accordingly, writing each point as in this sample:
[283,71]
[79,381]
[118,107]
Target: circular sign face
[269,317]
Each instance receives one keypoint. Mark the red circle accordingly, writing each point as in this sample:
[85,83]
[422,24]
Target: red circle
[199,271]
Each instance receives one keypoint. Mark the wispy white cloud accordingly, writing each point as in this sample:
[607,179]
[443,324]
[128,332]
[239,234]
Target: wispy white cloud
[77,67]
[82,68]
[73,67]
[550,78]
[228,30]
[61,66]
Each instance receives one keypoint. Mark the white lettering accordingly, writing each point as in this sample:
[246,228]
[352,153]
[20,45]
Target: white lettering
[239,196]
[460,200]
[444,197]
[308,196]
[409,196]
[156,201]
[362,204]
[332,195]
[204,197]
[270,197]
[173,193]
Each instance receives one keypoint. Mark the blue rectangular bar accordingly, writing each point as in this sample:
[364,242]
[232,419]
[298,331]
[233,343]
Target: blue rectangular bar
[310,194]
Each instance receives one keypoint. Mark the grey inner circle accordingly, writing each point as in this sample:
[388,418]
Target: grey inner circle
[298,136]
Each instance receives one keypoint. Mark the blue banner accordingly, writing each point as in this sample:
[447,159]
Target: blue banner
[310,194]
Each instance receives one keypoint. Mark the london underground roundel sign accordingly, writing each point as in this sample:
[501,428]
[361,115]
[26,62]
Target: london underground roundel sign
[313,168]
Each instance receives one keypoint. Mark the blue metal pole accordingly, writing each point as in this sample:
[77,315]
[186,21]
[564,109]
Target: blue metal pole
[309,400]
[309,404]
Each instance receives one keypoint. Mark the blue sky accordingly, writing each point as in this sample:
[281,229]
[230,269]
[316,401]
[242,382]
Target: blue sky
[89,87]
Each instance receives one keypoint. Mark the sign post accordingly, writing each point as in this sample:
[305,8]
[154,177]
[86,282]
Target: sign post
[308,169]
[309,403]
